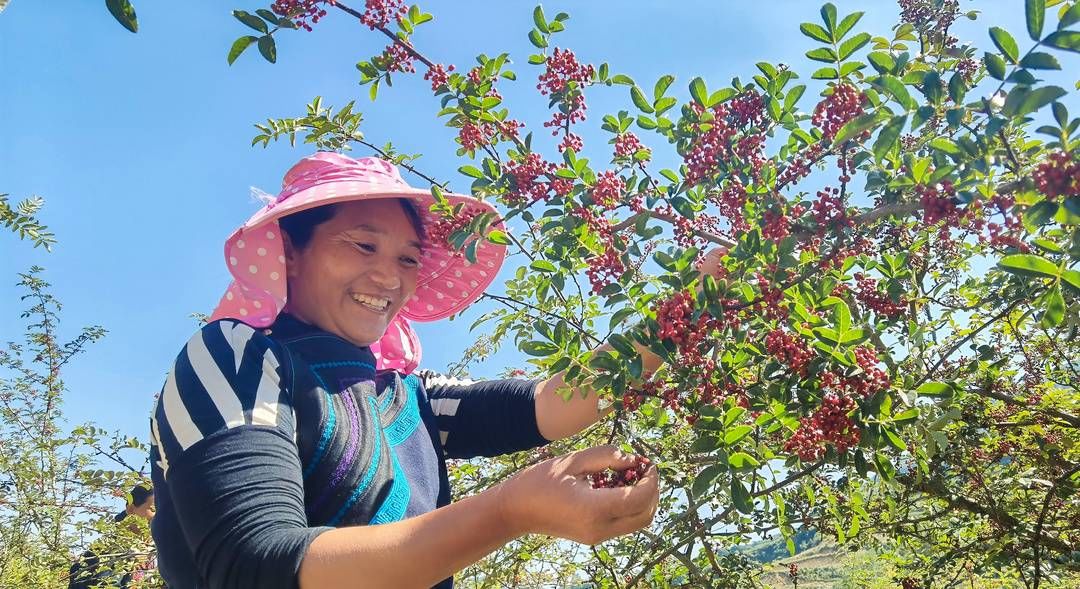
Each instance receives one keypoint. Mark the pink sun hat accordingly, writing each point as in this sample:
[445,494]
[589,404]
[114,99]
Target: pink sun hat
[447,283]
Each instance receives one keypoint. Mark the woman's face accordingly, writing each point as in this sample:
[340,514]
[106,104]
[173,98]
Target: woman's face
[358,270]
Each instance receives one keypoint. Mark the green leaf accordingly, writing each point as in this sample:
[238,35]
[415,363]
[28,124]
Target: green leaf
[499,237]
[699,92]
[909,415]
[882,62]
[1055,308]
[124,13]
[815,32]
[853,44]
[828,15]
[1071,278]
[1037,60]
[855,126]
[1067,40]
[894,440]
[1005,43]
[737,433]
[1036,13]
[1038,98]
[888,136]
[825,73]
[542,266]
[662,85]
[268,16]
[742,459]
[1029,265]
[995,66]
[471,171]
[936,389]
[846,24]
[823,54]
[704,480]
[639,99]
[622,344]
[537,39]
[739,495]
[1071,17]
[239,46]
[932,87]
[897,90]
[268,48]
[251,20]
[535,348]
[957,88]
[539,20]
[1041,213]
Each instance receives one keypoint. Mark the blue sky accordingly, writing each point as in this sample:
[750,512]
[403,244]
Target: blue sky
[140,144]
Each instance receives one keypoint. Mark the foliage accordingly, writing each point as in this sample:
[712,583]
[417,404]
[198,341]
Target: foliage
[56,497]
[889,354]
[21,220]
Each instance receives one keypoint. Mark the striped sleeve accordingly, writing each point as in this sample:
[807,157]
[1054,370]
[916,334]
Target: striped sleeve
[483,418]
[227,375]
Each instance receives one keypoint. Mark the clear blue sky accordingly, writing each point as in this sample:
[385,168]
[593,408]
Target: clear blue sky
[140,144]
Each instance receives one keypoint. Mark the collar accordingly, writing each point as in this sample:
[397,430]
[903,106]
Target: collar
[287,327]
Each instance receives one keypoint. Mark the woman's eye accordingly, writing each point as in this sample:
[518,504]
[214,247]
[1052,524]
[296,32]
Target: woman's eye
[408,261]
[365,247]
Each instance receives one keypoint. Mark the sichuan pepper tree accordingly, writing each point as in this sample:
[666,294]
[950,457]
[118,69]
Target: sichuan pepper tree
[889,353]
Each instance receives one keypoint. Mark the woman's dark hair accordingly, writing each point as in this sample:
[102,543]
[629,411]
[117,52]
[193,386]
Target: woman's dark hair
[301,226]
[140,494]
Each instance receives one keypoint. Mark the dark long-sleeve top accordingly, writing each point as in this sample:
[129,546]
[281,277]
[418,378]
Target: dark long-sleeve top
[262,439]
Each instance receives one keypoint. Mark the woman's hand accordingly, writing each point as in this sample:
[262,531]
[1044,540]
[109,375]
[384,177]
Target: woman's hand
[710,262]
[556,498]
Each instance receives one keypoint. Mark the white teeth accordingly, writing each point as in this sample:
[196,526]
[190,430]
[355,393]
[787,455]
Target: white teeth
[375,303]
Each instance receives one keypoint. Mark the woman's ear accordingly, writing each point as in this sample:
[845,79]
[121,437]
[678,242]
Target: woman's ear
[291,262]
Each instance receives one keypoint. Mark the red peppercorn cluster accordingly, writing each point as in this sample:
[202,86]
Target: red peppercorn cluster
[301,11]
[529,187]
[441,230]
[790,350]
[829,424]
[627,144]
[623,478]
[909,583]
[563,68]
[876,300]
[837,109]
[829,212]
[777,224]
[873,379]
[571,141]
[710,146]
[473,136]
[771,302]
[793,571]
[751,150]
[939,204]
[731,202]
[1058,176]
[607,192]
[798,166]
[747,109]
[604,269]
[438,75]
[396,58]
[379,13]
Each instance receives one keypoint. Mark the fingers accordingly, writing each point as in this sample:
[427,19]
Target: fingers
[596,459]
[710,263]
[640,498]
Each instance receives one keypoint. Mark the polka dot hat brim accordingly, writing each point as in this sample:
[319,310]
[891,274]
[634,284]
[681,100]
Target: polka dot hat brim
[447,282]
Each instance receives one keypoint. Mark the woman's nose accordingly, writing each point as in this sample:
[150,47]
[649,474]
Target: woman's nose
[385,275]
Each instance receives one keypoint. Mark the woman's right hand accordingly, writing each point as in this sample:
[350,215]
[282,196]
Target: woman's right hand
[556,498]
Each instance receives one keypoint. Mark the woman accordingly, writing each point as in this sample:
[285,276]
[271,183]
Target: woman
[293,419]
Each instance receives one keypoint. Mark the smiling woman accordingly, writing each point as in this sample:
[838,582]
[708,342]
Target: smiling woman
[294,420]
